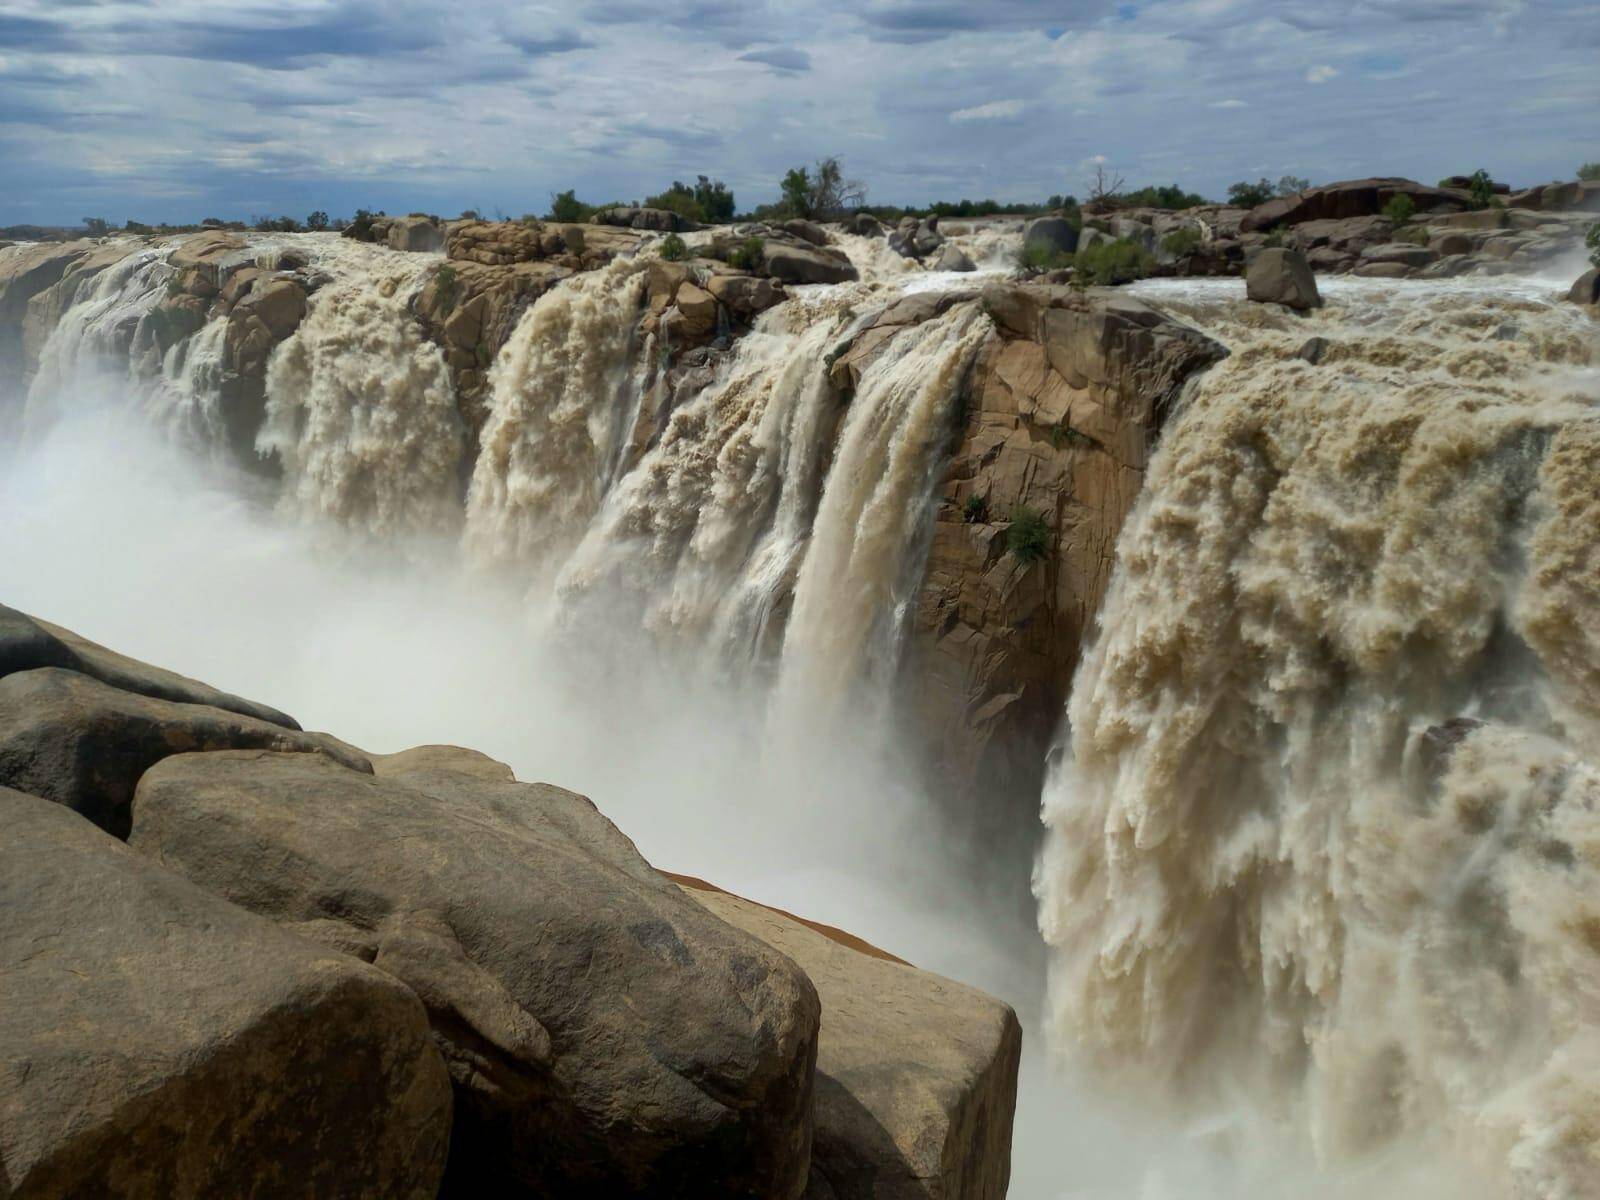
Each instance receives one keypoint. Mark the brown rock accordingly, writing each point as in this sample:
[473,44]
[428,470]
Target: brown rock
[156,1042]
[1278,276]
[1353,198]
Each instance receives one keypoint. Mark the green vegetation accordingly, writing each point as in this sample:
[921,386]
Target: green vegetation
[1290,185]
[976,510]
[1400,209]
[1062,434]
[317,221]
[1170,196]
[1028,537]
[1042,256]
[1181,243]
[1108,263]
[1480,190]
[96,226]
[679,198]
[1417,235]
[568,209]
[1593,242]
[820,192]
[673,248]
[1589,172]
[1251,195]
[360,227]
[445,281]
[749,254]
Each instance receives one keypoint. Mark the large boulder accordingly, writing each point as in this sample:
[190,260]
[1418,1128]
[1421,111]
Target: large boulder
[659,220]
[1352,198]
[790,262]
[84,744]
[1586,290]
[864,225]
[953,258]
[916,1075]
[606,1036]
[416,234]
[157,1042]
[1052,233]
[1578,196]
[1280,276]
[1408,253]
[27,643]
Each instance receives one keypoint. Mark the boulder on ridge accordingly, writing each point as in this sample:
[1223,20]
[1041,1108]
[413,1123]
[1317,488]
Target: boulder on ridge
[1280,276]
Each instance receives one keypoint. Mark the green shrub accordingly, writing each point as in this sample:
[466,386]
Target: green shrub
[445,281]
[1110,263]
[1062,434]
[1028,537]
[568,209]
[1181,243]
[1042,256]
[1593,242]
[1417,235]
[679,198]
[1480,190]
[1400,209]
[749,254]
[976,510]
[673,248]
[1589,172]
[1251,195]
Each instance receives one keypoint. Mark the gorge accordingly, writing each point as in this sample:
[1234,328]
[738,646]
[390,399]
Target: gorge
[816,575]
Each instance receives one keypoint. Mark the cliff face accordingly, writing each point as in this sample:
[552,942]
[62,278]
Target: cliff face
[1063,406]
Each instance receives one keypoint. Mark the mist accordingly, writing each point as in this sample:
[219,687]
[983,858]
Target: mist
[118,532]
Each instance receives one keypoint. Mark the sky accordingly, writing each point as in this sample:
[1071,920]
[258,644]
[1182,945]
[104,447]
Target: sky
[176,110]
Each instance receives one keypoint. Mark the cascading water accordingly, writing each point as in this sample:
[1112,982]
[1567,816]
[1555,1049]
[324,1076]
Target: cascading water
[558,418]
[1264,876]
[360,409]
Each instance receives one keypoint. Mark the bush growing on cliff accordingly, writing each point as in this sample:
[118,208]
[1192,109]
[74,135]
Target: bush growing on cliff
[1400,209]
[1042,256]
[1417,235]
[673,248]
[1106,264]
[1589,172]
[1028,537]
[976,510]
[748,255]
[1593,242]
[568,209]
[1250,195]
[1480,190]
[822,192]
[679,198]
[360,227]
[1291,185]
[1181,243]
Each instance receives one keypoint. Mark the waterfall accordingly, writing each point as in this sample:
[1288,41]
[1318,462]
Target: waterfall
[361,411]
[1325,833]
[559,415]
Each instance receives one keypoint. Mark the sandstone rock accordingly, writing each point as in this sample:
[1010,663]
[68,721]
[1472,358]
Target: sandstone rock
[791,263]
[1279,276]
[1587,288]
[415,234]
[864,225]
[1450,242]
[661,220]
[1578,196]
[1060,411]
[953,258]
[27,643]
[84,744]
[605,1035]
[1353,198]
[806,231]
[279,303]
[1400,252]
[1313,350]
[25,273]
[916,1075]
[1382,270]
[1053,233]
[157,1042]
[746,296]
[697,309]
[1483,218]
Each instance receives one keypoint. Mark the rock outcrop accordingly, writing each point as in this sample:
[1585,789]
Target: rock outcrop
[157,1042]
[1351,198]
[1062,408]
[916,1075]
[604,1034]
[1284,277]
[1586,288]
[85,744]
[27,272]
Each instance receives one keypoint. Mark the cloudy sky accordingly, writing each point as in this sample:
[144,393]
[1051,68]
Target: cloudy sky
[180,109]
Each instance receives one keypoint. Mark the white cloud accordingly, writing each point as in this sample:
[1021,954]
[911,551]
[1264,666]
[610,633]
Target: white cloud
[1321,74]
[1229,104]
[995,110]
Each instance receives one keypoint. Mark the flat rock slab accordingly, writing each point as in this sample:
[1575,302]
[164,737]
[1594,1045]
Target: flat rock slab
[82,743]
[606,1035]
[916,1075]
[27,643]
[156,1042]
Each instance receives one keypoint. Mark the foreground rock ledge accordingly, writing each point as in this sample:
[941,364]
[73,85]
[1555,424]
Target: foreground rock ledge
[158,1042]
[606,1035]
[916,1075]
